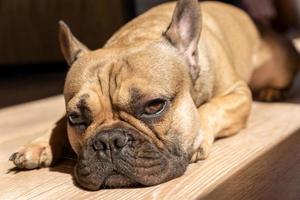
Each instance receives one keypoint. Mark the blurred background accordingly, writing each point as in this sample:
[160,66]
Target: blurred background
[31,65]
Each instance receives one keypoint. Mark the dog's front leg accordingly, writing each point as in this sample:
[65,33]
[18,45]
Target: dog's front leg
[223,116]
[45,150]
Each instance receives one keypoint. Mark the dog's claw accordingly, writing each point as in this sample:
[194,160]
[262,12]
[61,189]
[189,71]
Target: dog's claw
[18,159]
[13,156]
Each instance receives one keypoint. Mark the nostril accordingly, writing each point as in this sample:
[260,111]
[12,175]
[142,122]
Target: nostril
[99,145]
[130,138]
[120,142]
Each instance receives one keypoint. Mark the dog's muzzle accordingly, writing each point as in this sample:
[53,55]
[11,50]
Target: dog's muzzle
[123,157]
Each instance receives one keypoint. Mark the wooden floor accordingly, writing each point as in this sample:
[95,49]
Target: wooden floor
[262,162]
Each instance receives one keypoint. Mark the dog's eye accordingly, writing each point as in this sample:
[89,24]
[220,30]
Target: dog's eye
[75,119]
[155,107]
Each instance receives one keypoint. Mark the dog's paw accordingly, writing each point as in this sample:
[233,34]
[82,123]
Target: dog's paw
[203,152]
[270,94]
[34,155]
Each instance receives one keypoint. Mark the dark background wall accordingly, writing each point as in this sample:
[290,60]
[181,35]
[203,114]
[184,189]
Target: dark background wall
[29,27]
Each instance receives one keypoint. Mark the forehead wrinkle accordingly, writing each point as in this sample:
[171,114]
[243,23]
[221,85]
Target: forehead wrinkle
[103,75]
[127,63]
[100,82]
[119,79]
[109,81]
[119,66]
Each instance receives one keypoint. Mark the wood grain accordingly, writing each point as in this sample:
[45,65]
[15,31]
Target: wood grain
[270,126]
[274,175]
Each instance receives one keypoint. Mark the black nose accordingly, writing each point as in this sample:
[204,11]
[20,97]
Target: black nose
[110,140]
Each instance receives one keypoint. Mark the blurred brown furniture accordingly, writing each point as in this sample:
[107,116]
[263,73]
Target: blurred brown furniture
[288,15]
[28,28]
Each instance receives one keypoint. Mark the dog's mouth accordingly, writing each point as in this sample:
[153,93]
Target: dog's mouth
[110,181]
[144,166]
[91,179]
[115,178]
[104,175]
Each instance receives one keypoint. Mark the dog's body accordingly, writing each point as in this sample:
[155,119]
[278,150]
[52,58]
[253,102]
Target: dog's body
[159,93]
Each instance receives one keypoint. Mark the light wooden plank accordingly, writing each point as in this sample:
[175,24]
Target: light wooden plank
[269,125]
[274,175]
[20,124]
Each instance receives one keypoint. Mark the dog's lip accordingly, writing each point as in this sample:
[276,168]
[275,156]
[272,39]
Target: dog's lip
[90,185]
[84,183]
[116,176]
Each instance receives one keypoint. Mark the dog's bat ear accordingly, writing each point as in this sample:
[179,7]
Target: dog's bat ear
[70,47]
[184,32]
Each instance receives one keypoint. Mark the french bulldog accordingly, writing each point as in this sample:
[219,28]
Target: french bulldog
[159,92]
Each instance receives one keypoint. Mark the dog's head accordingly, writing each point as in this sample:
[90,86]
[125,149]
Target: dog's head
[131,116]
